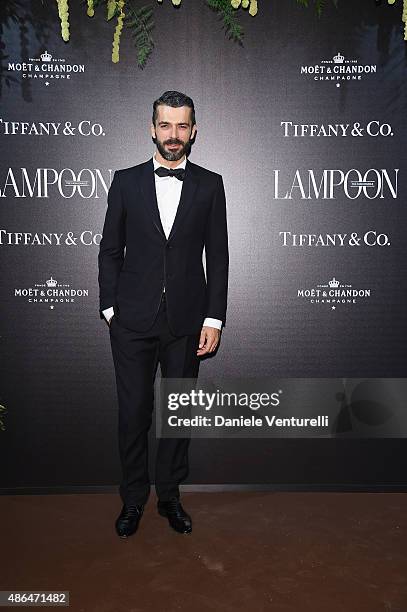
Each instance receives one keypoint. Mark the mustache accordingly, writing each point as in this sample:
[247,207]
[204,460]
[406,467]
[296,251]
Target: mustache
[172,142]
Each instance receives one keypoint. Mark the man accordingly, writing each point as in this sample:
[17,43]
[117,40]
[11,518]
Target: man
[156,299]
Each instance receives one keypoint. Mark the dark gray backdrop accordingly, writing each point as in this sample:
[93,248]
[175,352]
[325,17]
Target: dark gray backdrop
[57,373]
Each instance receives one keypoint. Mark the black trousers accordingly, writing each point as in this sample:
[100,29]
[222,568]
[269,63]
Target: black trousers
[136,356]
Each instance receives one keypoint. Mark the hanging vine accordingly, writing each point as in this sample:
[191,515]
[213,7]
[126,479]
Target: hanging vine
[63,13]
[118,31]
[404,15]
[140,21]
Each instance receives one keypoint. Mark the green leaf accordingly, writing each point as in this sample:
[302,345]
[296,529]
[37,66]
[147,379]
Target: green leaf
[111,10]
[229,17]
[141,22]
[319,4]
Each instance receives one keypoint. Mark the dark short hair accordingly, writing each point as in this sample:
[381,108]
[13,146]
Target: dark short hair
[174,99]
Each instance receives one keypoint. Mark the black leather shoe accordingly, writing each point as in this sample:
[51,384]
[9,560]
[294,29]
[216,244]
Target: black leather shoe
[176,515]
[128,520]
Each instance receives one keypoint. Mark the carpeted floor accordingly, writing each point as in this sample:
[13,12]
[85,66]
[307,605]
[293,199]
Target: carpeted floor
[274,551]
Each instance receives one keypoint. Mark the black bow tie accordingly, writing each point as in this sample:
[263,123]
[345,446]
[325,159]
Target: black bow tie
[179,173]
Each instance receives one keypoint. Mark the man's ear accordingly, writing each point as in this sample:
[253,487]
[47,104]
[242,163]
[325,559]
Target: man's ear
[152,129]
[193,131]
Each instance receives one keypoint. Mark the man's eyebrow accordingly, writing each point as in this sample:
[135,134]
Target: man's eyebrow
[179,123]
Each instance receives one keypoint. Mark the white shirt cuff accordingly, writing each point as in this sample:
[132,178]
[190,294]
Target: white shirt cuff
[217,323]
[108,313]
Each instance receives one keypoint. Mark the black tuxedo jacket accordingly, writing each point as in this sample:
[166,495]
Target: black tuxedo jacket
[136,259]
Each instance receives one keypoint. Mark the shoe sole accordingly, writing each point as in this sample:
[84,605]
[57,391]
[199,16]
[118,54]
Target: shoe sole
[124,536]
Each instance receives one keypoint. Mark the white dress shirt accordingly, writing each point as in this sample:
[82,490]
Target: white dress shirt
[168,190]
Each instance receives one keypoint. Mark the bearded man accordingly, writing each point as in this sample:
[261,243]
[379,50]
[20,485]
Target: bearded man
[159,304]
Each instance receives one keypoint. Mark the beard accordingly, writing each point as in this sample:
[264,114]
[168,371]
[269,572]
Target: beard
[184,149]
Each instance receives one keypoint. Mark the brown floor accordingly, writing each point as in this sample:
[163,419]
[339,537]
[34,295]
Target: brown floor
[283,552]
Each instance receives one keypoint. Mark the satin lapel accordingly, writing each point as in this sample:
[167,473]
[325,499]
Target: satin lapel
[189,185]
[150,196]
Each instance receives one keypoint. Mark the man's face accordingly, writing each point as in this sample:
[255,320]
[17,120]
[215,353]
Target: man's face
[173,131]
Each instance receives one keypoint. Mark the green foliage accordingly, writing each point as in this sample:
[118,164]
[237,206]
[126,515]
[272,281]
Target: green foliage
[141,23]
[319,5]
[229,17]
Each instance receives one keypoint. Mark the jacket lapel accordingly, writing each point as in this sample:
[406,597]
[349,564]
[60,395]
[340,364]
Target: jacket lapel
[189,185]
[150,196]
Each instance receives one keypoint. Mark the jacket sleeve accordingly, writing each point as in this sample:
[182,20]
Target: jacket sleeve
[111,248]
[217,256]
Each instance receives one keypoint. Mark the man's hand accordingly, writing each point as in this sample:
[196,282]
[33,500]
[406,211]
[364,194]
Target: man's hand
[208,341]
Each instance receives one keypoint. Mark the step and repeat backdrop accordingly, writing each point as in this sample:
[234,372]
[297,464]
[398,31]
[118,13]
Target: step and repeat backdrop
[307,123]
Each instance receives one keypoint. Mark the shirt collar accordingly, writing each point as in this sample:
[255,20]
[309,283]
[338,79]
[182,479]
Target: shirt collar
[158,164]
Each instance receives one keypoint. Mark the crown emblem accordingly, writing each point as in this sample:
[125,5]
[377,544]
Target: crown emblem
[46,57]
[51,282]
[334,283]
[338,59]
